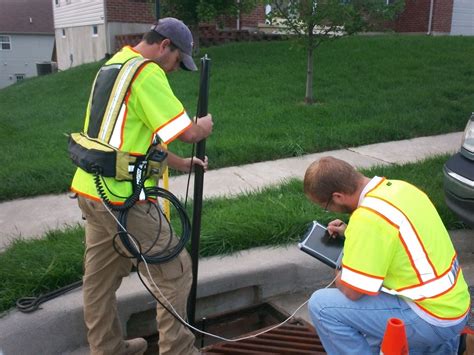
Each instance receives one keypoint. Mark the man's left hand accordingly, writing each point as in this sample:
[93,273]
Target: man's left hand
[195,161]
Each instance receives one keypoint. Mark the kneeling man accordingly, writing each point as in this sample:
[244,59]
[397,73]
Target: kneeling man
[398,262]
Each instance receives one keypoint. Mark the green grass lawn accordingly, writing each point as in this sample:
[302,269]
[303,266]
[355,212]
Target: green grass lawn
[273,216]
[369,89]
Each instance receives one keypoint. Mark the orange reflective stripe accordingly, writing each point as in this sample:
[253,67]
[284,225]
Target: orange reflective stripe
[432,288]
[90,197]
[416,234]
[445,318]
[378,184]
[361,290]
[174,127]
[364,281]
[414,247]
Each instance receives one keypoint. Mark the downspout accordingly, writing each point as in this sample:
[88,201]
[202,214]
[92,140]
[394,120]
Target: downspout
[106,30]
[430,20]
[238,16]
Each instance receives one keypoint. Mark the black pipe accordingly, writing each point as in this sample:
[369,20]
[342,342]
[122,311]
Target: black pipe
[198,186]
[157,10]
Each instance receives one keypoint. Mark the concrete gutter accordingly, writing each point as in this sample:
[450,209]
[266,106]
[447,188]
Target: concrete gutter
[57,328]
[262,274]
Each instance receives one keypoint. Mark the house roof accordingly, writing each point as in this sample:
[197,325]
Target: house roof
[26,16]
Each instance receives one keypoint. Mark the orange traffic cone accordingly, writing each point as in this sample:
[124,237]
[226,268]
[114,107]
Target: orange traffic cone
[395,339]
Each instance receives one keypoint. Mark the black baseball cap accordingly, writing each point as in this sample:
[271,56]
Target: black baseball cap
[180,35]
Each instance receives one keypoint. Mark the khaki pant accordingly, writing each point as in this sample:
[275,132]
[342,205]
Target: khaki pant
[104,269]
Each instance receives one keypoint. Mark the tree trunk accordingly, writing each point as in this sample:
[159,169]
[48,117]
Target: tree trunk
[195,31]
[309,70]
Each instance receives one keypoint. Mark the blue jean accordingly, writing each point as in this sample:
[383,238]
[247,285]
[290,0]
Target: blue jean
[357,327]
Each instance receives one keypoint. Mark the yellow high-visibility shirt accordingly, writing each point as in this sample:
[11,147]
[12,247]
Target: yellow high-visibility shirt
[397,243]
[150,108]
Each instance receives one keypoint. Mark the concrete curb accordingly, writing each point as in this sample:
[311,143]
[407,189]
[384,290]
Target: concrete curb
[262,273]
[225,284]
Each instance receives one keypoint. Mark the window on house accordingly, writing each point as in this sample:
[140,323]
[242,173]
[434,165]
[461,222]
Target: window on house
[63,33]
[5,43]
[56,2]
[95,31]
[20,77]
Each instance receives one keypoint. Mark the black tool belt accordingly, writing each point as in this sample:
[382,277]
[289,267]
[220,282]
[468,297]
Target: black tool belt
[95,156]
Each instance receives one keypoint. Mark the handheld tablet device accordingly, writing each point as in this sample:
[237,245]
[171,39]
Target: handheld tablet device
[319,244]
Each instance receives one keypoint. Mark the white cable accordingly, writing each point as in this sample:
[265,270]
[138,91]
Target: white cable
[176,314]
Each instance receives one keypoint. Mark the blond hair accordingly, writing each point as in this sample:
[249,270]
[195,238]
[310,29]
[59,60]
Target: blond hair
[328,175]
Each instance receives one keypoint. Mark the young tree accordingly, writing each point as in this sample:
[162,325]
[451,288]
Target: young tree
[193,12]
[317,21]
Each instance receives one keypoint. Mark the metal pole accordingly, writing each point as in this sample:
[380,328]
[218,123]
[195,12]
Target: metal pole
[430,18]
[198,187]
[157,9]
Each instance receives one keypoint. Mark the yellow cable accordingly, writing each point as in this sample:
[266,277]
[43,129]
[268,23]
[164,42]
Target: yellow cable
[166,186]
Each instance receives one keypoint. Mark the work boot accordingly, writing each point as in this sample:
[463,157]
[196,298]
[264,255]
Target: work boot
[469,344]
[135,346]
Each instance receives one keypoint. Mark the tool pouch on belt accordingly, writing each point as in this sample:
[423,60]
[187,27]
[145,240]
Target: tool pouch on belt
[89,150]
[95,156]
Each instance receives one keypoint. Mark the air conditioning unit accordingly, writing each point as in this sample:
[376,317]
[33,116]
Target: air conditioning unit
[45,68]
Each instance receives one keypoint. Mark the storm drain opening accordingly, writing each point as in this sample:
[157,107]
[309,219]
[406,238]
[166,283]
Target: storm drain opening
[294,337]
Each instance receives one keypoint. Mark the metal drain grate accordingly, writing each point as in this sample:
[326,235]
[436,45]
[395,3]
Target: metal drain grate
[299,338]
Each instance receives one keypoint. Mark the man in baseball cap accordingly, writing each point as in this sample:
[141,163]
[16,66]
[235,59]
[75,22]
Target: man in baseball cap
[150,110]
[180,36]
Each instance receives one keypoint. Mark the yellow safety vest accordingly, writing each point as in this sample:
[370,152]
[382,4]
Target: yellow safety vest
[131,102]
[397,243]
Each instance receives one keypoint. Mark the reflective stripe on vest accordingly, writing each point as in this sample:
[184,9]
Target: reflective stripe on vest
[173,127]
[431,285]
[414,248]
[371,283]
[116,138]
[432,288]
[115,104]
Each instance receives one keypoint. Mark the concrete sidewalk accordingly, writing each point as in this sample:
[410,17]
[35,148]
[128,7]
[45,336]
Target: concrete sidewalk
[57,211]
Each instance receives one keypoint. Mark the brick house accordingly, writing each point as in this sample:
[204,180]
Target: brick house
[88,30]
[85,30]
[250,21]
[455,17]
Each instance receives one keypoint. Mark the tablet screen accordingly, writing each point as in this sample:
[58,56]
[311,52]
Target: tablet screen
[318,243]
